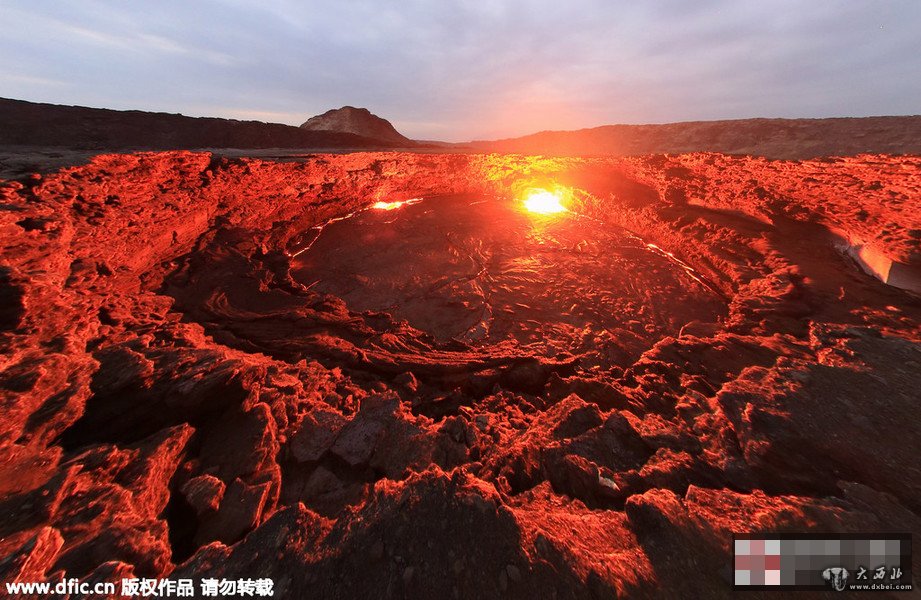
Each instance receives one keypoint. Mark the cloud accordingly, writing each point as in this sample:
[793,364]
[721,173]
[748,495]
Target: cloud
[12,79]
[470,69]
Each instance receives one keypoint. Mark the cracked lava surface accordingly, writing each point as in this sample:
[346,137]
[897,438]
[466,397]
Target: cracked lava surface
[207,372]
[485,270]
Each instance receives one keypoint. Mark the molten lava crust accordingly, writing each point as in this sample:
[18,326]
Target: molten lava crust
[467,376]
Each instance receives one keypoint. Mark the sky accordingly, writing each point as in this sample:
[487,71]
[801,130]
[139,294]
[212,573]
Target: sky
[472,69]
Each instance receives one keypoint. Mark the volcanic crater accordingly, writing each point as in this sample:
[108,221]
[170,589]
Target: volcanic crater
[380,374]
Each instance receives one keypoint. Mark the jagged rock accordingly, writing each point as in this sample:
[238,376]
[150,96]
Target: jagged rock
[113,508]
[315,435]
[241,509]
[692,535]
[204,493]
[797,421]
[243,444]
[574,417]
[359,439]
[29,555]
[173,391]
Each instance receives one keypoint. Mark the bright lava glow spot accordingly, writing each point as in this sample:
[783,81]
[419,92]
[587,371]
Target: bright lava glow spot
[394,205]
[544,202]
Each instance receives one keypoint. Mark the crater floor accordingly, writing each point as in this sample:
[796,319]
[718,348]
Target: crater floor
[485,269]
[232,368]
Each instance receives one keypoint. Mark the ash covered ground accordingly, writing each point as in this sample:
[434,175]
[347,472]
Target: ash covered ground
[207,372]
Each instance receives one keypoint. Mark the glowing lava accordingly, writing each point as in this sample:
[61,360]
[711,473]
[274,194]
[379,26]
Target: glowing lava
[544,202]
[394,205]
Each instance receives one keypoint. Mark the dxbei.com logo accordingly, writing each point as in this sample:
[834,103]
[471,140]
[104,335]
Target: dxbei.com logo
[837,577]
[865,579]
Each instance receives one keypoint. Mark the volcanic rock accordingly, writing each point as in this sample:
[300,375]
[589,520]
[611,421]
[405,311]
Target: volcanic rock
[181,399]
[30,554]
[204,493]
[358,121]
[317,432]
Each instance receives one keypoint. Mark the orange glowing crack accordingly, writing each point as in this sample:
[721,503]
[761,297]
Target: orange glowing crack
[376,206]
[394,205]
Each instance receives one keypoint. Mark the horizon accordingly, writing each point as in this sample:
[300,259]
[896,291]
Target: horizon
[471,72]
[474,140]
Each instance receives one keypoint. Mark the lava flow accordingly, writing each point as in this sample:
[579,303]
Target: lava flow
[544,202]
[452,375]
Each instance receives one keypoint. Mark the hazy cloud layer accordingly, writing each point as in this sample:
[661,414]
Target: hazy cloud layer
[469,69]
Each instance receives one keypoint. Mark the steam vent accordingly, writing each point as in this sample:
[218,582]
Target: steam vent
[459,376]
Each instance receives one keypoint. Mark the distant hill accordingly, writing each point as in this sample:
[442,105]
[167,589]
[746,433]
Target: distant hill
[95,129]
[772,138]
[358,121]
[76,127]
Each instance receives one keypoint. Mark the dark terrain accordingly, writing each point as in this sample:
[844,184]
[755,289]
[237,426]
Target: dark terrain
[34,125]
[76,127]
[771,138]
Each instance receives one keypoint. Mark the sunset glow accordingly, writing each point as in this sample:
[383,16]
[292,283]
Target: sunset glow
[544,202]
